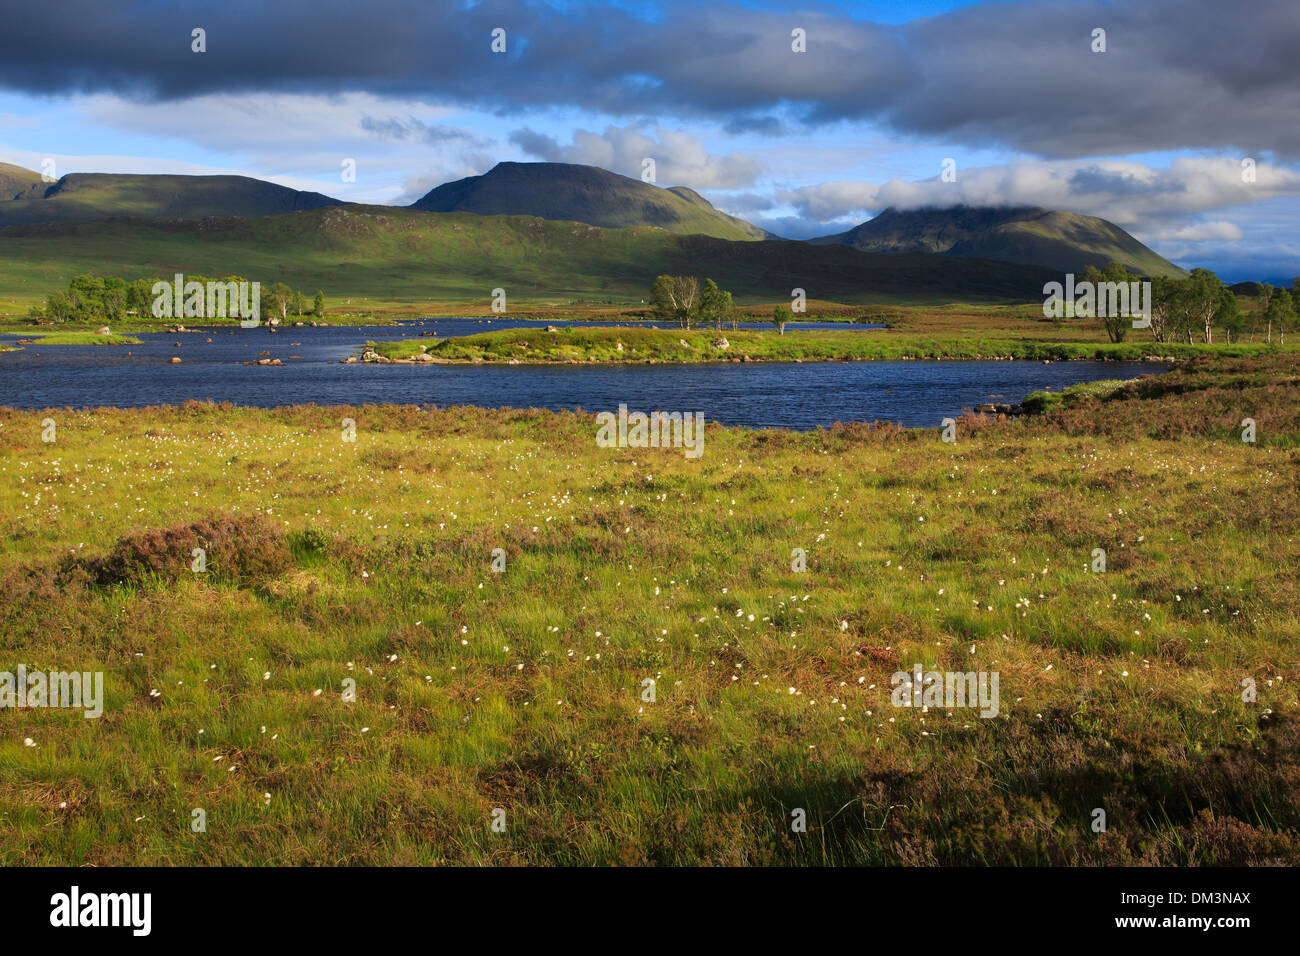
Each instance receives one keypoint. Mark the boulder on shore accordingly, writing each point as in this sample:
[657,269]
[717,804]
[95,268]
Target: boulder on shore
[999,408]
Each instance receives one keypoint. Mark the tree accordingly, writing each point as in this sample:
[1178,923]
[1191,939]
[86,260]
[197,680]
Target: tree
[276,299]
[1280,312]
[662,304]
[675,298]
[139,297]
[86,293]
[299,303]
[1204,299]
[1229,315]
[713,304]
[686,290]
[780,316]
[318,307]
[59,307]
[1164,301]
[1114,319]
[726,311]
[1265,294]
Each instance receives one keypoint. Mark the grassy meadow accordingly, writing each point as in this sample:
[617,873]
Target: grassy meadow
[330,560]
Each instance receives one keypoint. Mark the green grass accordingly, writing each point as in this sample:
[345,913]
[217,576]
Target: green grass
[595,344]
[370,560]
[401,350]
[1039,402]
[82,338]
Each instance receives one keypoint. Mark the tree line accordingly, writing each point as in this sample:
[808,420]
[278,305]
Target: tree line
[1189,308]
[108,299]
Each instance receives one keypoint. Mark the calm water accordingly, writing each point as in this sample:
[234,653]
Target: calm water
[788,395]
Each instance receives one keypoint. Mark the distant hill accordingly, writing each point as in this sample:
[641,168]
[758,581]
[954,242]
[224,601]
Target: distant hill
[396,254]
[83,197]
[1061,241]
[19,183]
[573,193]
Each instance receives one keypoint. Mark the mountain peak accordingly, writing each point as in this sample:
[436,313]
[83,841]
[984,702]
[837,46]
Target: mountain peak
[589,194]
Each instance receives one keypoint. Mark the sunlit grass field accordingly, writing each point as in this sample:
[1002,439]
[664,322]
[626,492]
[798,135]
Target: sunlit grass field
[371,560]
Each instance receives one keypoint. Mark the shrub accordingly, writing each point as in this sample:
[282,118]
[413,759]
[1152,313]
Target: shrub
[241,550]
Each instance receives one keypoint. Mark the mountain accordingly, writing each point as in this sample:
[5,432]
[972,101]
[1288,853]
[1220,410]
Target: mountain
[19,183]
[392,254]
[81,197]
[1061,241]
[573,193]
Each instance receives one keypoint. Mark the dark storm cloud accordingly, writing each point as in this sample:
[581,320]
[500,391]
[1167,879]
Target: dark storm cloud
[1177,74]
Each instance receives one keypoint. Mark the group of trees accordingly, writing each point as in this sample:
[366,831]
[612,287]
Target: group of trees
[91,297]
[281,299]
[683,300]
[1189,308]
[108,299]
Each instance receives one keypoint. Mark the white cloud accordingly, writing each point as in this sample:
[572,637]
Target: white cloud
[1125,192]
[301,140]
[680,158]
[1200,232]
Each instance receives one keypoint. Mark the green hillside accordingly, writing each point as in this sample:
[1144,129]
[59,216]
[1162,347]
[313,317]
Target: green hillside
[1062,241]
[82,197]
[19,183]
[407,255]
[564,191]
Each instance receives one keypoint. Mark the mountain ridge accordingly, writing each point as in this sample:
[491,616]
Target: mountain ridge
[394,253]
[1030,235]
[86,197]
[566,192]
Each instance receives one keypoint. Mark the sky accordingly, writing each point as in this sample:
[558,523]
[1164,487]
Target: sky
[1180,123]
